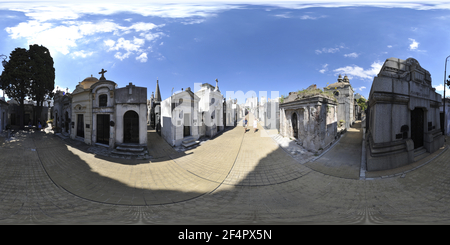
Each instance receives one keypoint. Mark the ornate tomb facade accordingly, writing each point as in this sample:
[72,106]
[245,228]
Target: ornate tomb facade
[310,120]
[403,115]
[211,109]
[343,92]
[180,118]
[106,115]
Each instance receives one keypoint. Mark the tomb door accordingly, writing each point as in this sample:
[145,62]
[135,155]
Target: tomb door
[103,128]
[417,126]
[295,125]
[187,125]
[80,125]
[66,122]
[131,127]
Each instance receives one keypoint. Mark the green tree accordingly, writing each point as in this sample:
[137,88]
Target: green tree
[16,79]
[29,74]
[42,76]
[362,103]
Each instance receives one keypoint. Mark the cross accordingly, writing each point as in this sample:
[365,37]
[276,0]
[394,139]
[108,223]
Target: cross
[102,72]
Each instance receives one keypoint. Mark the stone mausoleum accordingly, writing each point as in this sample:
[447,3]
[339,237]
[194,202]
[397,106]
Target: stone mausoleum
[180,119]
[310,120]
[343,92]
[403,120]
[105,115]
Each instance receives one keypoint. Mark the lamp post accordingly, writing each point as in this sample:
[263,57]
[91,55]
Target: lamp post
[4,62]
[445,84]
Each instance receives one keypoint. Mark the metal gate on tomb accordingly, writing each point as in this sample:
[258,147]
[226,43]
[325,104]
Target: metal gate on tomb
[295,125]
[80,125]
[103,128]
[131,127]
[417,127]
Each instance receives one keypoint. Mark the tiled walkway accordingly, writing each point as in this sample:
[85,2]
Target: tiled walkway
[234,178]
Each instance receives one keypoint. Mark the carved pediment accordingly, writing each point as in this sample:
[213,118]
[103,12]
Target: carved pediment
[79,108]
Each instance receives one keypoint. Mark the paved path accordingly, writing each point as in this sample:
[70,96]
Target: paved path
[344,158]
[235,178]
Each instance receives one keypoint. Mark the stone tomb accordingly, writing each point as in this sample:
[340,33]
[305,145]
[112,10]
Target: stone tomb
[312,120]
[179,118]
[106,115]
[211,109]
[403,118]
[62,111]
[343,92]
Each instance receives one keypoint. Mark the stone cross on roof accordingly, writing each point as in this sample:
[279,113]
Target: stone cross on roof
[103,74]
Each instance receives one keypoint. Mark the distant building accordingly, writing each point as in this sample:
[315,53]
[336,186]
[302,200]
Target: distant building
[180,118]
[211,109]
[343,92]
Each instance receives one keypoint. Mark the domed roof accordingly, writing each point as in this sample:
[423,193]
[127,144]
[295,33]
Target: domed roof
[340,83]
[88,82]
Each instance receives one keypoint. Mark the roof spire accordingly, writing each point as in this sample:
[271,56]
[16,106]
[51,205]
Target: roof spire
[157,92]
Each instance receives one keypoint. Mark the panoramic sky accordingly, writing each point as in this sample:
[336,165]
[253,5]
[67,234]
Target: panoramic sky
[259,46]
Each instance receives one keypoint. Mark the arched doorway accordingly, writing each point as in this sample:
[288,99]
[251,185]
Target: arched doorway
[131,127]
[417,127]
[66,122]
[295,125]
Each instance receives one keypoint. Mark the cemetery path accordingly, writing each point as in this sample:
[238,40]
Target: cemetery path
[236,178]
[344,158]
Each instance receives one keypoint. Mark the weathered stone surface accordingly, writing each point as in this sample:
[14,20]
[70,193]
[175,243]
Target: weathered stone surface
[403,115]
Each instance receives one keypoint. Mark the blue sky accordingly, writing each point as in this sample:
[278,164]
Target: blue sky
[247,45]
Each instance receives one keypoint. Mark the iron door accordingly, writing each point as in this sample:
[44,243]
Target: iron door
[131,127]
[294,125]
[80,125]
[103,128]
[417,125]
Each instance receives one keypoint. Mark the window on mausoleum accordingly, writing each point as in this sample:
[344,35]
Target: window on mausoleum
[103,100]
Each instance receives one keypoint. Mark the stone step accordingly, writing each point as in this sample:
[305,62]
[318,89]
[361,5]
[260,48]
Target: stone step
[188,139]
[420,153]
[132,149]
[130,145]
[127,153]
[189,144]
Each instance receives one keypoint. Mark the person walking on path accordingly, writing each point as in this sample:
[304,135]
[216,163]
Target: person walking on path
[245,125]
[255,125]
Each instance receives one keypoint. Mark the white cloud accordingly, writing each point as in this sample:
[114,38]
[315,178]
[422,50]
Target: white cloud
[358,72]
[121,56]
[152,36]
[361,88]
[82,54]
[328,50]
[190,22]
[351,55]
[62,37]
[414,45]
[142,57]
[284,15]
[439,87]
[308,17]
[130,46]
[142,26]
[389,46]
[324,68]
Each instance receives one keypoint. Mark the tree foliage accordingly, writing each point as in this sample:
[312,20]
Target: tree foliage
[42,74]
[362,103]
[16,75]
[29,74]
